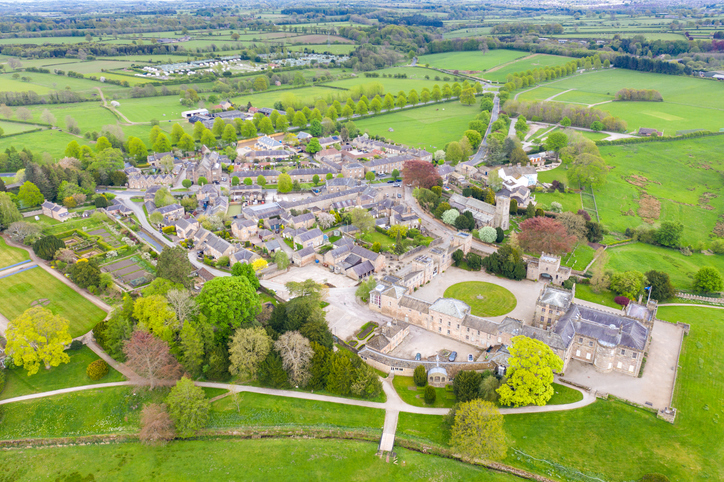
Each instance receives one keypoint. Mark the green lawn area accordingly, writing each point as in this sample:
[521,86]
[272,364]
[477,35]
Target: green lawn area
[268,410]
[605,297]
[430,127]
[644,257]
[416,396]
[298,97]
[15,127]
[236,459]
[579,258]
[66,375]
[495,301]
[564,395]
[686,191]
[376,237]
[689,450]
[21,289]
[91,116]
[536,61]
[10,255]
[415,80]
[472,60]
[569,201]
[52,141]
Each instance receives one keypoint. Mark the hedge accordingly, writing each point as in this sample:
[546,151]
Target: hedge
[641,140]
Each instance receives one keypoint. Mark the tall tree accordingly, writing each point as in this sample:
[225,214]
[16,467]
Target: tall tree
[228,303]
[588,170]
[362,219]
[150,358]
[478,431]
[419,173]
[545,235]
[38,336]
[530,380]
[156,425]
[154,314]
[188,407]
[296,356]
[248,348]
[173,264]
[192,348]
[29,194]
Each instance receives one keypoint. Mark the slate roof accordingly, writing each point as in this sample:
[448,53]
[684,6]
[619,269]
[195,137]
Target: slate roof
[169,208]
[389,160]
[608,328]
[242,256]
[303,218]
[243,223]
[473,204]
[556,297]
[450,306]
[363,269]
[309,235]
[303,253]
[415,304]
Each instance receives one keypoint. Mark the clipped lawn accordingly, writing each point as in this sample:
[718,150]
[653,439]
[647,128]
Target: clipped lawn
[570,201]
[605,297]
[233,459]
[416,396]
[21,289]
[484,299]
[10,255]
[71,374]
[579,258]
[564,395]
[470,60]
[268,410]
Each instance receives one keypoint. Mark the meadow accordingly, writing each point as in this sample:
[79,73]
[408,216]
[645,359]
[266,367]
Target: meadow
[45,83]
[689,450]
[476,60]
[236,460]
[15,127]
[91,116]
[72,374]
[21,289]
[51,141]
[415,80]
[529,62]
[430,127]
[301,97]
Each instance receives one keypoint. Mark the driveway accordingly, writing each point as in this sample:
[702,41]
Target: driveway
[654,388]
[316,272]
[526,292]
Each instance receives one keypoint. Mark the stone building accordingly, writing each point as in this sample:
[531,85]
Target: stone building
[548,268]
[55,211]
[390,336]
[485,214]
[209,167]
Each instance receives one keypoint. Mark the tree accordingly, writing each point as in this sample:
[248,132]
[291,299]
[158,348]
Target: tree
[229,134]
[177,133]
[199,129]
[708,280]
[418,173]
[46,247]
[150,358]
[156,218]
[73,149]
[466,385]
[228,303]
[207,138]
[188,407]
[281,259]
[588,170]
[660,285]
[363,290]
[313,146]
[248,349]
[565,122]
[156,425]
[597,126]
[669,233]
[271,372]
[9,212]
[246,270]
[475,138]
[362,219]
[154,315]
[284,183]
[248,129]
[162,144]
[575,224]
[487,234]
[477,431]
[486,104]
[453,153]
[37,336]
[420,376]
[430,394]
[532,364]
[260,180]
[545,235]
[259,264]
[449,216]
[307,287]
[192,348]
[296,356]
[628,283]
[20,231]
[85,274]
[187,183]
[555,142]
[467,96]
[339,379]
[29,194]
[102,144]
[174,265]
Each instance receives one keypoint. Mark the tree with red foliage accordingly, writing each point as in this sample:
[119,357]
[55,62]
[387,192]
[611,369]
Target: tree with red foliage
[545,235]
[150,357]
[156,425]
[419,173]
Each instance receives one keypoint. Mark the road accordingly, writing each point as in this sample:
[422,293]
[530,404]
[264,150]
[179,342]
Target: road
[479,156]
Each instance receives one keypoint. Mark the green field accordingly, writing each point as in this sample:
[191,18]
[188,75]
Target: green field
[52,141]
[535,61]
[72,374]
[689,450]
[415,80]
[467,32]
[476,61]
[10,255]
[236,460]
[414,395]
[300,97]
[570,202]
[484,299]
[644,257]
[579,258]
[21,289]
[91,116]
[15,127]
[335,49]
[430,127]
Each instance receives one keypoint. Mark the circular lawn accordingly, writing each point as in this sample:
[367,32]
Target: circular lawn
[484,299]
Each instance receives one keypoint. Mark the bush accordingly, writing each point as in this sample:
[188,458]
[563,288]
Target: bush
[568,284]
[46,247]
[97,370]
[430,395]
[420,376]
[622,300]
[76,345]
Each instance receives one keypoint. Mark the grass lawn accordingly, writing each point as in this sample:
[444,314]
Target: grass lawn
[376,237]
[430,127]
[584,292]
[644,257]
[495,301]
[21,289]
[471,60]
[564,395]
[10,255]
[52,141]
[297,97]
[15,128]
[569,201]
[536,61]
[268,410]
[686,191]
[416,396]
[579,258]
[233,459]
[66,375]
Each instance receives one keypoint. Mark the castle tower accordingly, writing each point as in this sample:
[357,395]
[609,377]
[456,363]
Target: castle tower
[502,212]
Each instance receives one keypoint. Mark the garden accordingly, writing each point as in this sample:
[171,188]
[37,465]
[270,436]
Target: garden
[484,299]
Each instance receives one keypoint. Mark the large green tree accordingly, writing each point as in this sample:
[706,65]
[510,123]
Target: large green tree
[229,303]
[29,194]
[478,432]
[466,385]
[248,348]
[38,336]
[188,407]
[284,183]
[174,265]
[46,247]
[530,380]
[588,170]
[708,280]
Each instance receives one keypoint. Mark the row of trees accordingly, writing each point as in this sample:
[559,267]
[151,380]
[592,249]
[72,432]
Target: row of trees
[555,112]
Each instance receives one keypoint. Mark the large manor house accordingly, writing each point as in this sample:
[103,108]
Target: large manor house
[612,342]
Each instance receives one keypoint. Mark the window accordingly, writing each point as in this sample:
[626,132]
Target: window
[619,365]
[542,318]
[439,329]
[467,337]
[448,332]
[588,357]
[590,343]
[468,330]
[478,332]
[623,352]
[580,340]
[631,368]
[578,352]
[634,355]
[448,323]
[458,327]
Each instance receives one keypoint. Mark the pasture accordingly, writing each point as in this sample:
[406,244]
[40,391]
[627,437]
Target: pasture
[91,116]
[415,80]
[52,141]
[15,127]
[301,97]
[430,127]
[335,49]
[475,60]
[529,62]
[22,289]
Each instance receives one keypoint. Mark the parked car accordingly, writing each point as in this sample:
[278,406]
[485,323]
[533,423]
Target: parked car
[418,357]
[399,195]
[470,357]
[453,356]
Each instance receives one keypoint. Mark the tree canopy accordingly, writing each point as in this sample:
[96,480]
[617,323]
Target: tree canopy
[228,303]
[530,379]
[38,336]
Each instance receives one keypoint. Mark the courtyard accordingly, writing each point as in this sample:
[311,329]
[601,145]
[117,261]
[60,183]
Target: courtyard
[484,299]
[428,344]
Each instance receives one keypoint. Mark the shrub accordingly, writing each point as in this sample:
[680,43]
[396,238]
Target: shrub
[46,247]
[420,376]
[568,284]
[76,345]
[97,370]
[430,395]
[621,300]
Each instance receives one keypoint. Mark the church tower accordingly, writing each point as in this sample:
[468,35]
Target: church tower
[502,212]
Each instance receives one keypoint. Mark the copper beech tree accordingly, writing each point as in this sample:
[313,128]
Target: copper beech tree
[419,173]
[156,425]
[150,358]
[545,235]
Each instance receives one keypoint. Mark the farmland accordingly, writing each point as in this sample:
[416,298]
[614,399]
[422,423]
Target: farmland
[530,62]
[475,61]
[415,80]
[429,127]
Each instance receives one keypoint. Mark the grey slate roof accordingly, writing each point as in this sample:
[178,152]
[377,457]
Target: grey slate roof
[608,328]
[303,253]
[309,235]
[556,297]
[451,306]
[363,269]
[415,304]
